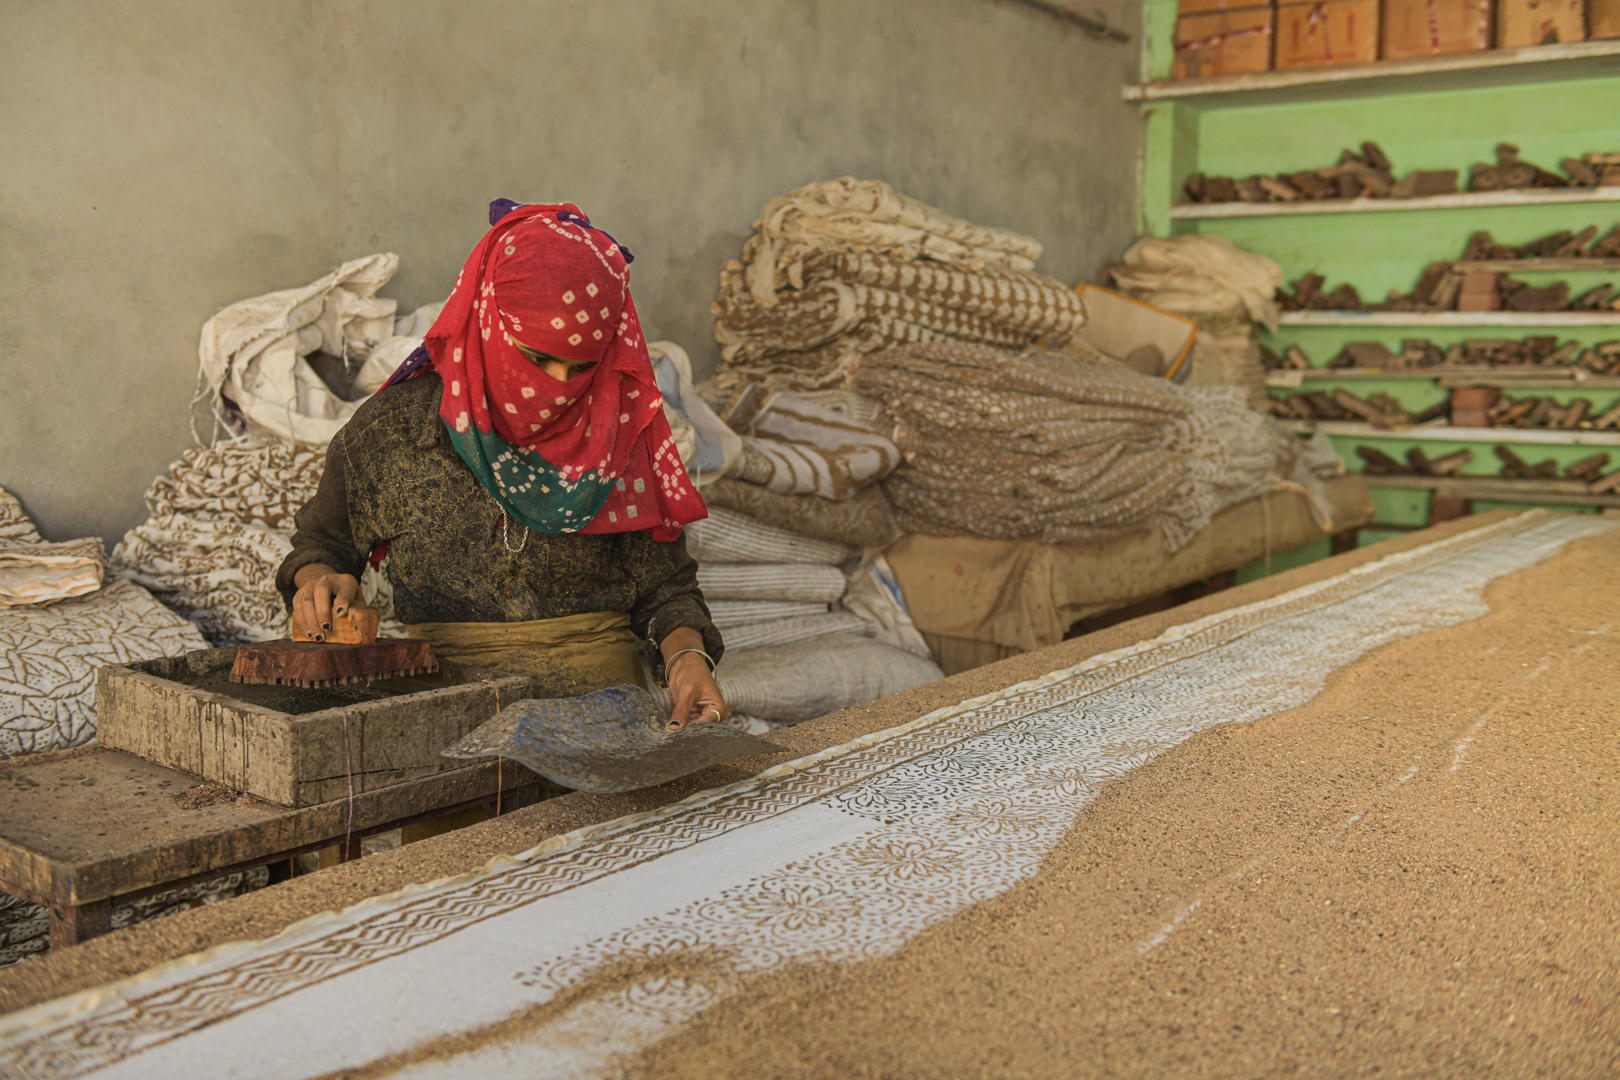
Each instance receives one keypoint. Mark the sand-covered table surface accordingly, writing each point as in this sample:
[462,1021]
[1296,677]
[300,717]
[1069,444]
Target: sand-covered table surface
[1369,823]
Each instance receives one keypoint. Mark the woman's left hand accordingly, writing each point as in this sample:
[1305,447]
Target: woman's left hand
[691,684]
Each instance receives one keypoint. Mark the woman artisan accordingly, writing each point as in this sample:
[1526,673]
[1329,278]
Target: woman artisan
[520,478]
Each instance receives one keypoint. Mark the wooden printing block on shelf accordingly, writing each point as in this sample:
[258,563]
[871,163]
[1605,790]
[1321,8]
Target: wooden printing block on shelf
[1471,405]
[291,745]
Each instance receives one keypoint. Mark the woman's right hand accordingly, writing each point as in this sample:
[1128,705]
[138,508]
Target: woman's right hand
[322,593]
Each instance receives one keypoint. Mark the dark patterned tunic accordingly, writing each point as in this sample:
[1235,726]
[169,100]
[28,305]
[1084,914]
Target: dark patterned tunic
[392,475]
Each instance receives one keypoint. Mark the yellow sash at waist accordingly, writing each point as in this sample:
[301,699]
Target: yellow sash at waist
[573,655]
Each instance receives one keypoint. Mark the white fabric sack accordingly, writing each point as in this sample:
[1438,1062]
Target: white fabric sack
[728,614]
[874,595]
[758,581]
[409,331]
[798,682]
[787,631]
[252,352]
[726,536]
[1194,275]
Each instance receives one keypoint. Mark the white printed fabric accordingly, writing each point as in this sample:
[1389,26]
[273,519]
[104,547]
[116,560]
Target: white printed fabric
[221,524]
[839,857]
[753,581]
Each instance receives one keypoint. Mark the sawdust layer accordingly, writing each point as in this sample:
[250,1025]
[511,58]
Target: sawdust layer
[1413,875]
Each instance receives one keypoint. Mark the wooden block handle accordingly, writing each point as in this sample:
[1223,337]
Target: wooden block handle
[356,626]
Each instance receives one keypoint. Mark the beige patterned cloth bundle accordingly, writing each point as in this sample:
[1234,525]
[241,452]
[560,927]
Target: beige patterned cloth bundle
[221,524]
[838,270]
[1042,446]
[794,446]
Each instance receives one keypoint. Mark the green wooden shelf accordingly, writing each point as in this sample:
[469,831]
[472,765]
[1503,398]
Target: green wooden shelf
[1495,489]
[1450,318]
[1459,71]
[1470,200]
[1442,432]
[1448,378]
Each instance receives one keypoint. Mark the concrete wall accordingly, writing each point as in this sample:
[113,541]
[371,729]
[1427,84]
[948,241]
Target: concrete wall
[162,158]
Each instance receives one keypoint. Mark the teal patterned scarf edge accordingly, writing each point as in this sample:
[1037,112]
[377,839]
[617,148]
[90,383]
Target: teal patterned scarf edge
[527,486]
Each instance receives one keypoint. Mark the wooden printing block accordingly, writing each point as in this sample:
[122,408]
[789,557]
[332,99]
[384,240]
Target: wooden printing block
[1471,405]
[1554,297]
[1380,463]
[1580,172]
[1587,469]
[1606,486]
[1607,420]
[1452,463]
[324,663]
[1448,508]
[1479,292]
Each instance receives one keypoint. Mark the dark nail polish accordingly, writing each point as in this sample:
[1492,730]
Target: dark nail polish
[320,637]
[326,626]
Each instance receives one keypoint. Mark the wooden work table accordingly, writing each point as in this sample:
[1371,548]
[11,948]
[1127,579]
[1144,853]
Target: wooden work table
[83,830]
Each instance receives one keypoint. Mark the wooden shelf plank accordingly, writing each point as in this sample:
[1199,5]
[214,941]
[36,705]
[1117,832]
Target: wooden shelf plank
[1451,318]
[1495,489]
[1446,433]
[1491,67]
[1470,200]
[1528,266]
[1449,378]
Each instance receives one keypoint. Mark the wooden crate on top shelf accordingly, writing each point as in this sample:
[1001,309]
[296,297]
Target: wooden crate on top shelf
[1223,42]
[1539,22]
[1322,33]
[1413,28]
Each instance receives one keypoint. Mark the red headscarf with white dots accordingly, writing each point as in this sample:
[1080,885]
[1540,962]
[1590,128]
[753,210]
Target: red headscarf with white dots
[544,277]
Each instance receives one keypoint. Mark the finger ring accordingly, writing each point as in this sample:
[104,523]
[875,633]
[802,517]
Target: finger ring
[712,709]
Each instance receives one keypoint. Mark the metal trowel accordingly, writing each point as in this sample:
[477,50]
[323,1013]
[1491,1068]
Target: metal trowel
[608,741]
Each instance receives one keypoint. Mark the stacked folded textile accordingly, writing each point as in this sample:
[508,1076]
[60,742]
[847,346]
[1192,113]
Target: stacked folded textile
[840,269]
[777,597]
[221,524]
[49,650]
[1043,446]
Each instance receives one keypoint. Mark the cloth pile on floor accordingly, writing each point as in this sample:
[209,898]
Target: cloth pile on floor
[1222,288]
[221,524]
[1042,446]
[795,649]
[49,651]
[839,269]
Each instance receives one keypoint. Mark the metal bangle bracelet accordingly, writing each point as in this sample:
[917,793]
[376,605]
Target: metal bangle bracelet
[668,660]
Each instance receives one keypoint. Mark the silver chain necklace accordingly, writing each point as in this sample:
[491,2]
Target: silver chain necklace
[506,538]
